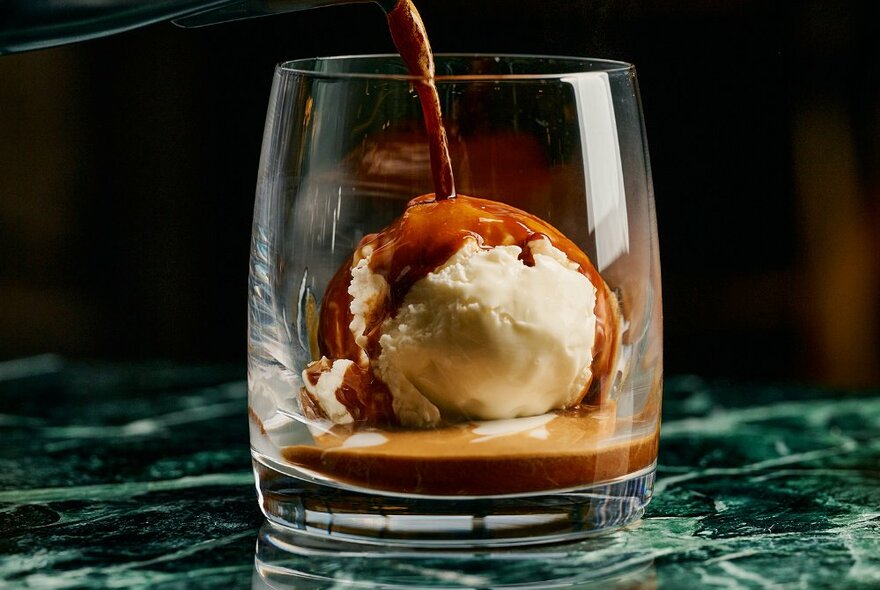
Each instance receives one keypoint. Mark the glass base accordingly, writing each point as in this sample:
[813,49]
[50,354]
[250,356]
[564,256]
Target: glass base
[366,520]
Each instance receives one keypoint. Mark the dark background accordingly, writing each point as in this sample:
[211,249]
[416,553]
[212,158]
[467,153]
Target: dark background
[128,164]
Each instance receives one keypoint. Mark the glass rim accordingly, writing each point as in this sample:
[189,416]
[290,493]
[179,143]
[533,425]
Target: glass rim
[608,66]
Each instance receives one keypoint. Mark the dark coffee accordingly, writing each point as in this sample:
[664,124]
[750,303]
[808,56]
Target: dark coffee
[411,40]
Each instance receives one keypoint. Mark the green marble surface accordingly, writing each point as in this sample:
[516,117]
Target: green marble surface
[139,476]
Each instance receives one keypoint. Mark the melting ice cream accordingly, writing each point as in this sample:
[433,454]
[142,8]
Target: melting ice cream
[462,309]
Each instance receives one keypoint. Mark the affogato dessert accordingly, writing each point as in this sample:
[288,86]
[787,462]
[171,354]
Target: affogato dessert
[468,348]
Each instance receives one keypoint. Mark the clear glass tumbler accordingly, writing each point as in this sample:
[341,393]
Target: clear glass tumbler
[509,402]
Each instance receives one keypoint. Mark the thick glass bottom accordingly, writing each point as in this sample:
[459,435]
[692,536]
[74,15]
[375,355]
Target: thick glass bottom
[367,520]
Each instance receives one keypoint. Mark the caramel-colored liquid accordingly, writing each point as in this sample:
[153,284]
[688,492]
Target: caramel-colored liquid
[578,448]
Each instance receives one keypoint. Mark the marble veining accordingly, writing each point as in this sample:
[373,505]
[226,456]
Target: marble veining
[139,476]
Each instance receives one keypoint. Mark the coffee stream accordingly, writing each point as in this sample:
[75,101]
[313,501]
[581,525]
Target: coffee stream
[411,40]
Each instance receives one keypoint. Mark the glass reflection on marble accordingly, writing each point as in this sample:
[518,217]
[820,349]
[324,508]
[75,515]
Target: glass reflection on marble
[285,559]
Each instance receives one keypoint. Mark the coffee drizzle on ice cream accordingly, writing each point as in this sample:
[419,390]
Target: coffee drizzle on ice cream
[365,397]
[402,255]
[411,40]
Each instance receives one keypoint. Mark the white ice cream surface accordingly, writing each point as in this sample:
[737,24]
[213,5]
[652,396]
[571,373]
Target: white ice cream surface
[368,291]
[486,337]
[324,391]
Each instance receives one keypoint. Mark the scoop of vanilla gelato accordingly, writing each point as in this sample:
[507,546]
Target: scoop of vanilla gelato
[485,336]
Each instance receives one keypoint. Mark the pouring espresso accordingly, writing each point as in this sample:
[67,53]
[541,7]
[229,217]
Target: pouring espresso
[411,40]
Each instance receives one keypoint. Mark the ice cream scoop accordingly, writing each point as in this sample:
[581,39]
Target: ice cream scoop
[487,337]
[462,309]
